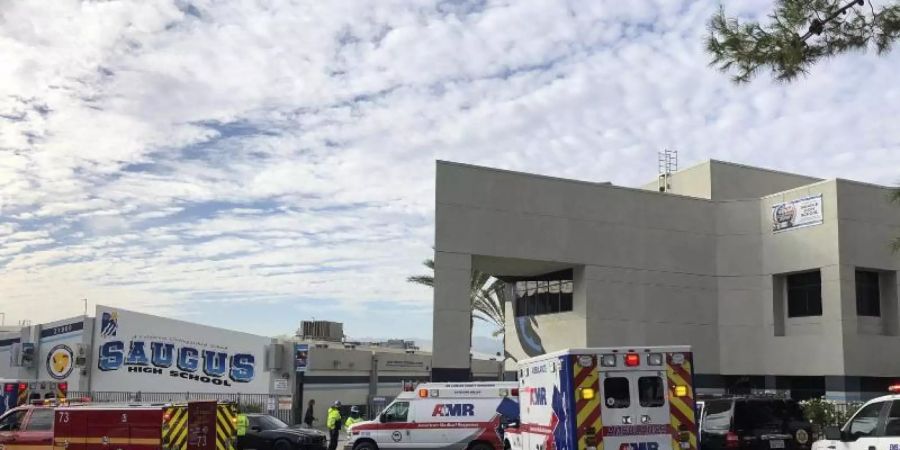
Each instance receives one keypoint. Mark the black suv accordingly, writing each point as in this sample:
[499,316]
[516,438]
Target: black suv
[754,423]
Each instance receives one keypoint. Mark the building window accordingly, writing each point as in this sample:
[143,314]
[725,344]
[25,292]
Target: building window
[868,293]
[804,294]
[537,297]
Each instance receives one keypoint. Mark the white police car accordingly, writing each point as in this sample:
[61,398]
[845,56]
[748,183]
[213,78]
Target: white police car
[875,426]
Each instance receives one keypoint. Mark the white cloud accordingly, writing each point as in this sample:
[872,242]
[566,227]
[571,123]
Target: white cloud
[155,152]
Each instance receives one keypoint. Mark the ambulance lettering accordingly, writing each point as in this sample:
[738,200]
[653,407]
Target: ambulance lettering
[538,396]
[453,410]
[639,446]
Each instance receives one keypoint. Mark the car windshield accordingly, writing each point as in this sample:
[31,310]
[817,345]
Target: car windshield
[271,423]
[756,414]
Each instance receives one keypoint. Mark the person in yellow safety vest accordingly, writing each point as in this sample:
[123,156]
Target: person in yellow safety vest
[354,418]
[333,423]
[242,424]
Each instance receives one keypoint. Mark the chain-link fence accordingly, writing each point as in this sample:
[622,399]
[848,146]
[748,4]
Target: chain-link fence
[276,405]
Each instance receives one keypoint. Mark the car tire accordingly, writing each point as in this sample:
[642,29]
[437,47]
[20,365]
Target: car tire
[282,445]
[480,446]
[365,446]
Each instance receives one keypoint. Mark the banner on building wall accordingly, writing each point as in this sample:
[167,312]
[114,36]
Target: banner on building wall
[301,357]
[140,352]
[62,354]
[803,212]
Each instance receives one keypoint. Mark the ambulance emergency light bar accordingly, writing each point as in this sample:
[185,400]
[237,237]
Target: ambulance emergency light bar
[631,359]
[514,392]
[894,388]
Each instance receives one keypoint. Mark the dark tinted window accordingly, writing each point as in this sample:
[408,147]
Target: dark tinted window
[718,416]
[892,426]
[12,421]
[760,414]
[865,422]
[804,294]
[397,412]
[651,392]
[616,393]
[537,297]
[41,420]
[868,294]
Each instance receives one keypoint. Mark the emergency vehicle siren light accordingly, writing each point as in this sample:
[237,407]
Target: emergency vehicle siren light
[608,360]
[514,392]
[894,388]
[64,386]
[435,392]
[681,391]
[9,387]
[632,359]
[655,359]
[423,393]
[22,387]
[587,393]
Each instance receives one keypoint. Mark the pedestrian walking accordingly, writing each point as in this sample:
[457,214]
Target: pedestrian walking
[334,424]
[309,418]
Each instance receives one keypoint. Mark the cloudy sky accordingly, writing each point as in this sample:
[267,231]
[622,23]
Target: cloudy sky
[250,164]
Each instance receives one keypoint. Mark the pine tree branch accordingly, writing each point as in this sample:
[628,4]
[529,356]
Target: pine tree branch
[800,34]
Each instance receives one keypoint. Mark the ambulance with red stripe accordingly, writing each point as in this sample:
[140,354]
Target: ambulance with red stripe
[626,398]
[458,416]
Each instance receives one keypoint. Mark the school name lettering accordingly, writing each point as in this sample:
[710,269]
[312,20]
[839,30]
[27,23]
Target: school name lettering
[207,366]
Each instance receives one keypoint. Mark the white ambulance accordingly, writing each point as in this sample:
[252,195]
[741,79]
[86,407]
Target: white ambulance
[627,398]
[461,416]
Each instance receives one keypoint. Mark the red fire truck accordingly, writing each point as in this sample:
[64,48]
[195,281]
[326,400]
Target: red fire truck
[201,425]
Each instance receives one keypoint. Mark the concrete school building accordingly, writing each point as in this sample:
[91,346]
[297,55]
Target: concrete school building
[781,282]
[118,353]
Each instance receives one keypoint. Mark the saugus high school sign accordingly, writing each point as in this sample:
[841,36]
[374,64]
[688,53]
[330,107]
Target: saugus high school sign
[138,352]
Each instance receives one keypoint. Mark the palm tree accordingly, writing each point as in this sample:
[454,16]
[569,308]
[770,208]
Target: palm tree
[487,295]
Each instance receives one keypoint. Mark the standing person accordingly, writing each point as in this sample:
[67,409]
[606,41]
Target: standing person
[333,423]
[354,418]
[243,423]
[308,419]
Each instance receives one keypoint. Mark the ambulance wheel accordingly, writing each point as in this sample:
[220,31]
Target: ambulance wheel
[481,446]
[366,445]
[282,445]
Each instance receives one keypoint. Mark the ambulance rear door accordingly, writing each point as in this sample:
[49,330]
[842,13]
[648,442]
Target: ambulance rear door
[635,410]
[647,400]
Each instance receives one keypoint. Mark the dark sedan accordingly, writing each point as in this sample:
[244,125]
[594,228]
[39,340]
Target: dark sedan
[269,433]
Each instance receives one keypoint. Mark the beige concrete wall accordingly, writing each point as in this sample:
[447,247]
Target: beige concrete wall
[666,240]
[655,268]
[752,314]
[694,181]
[732,181]
[868,223]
